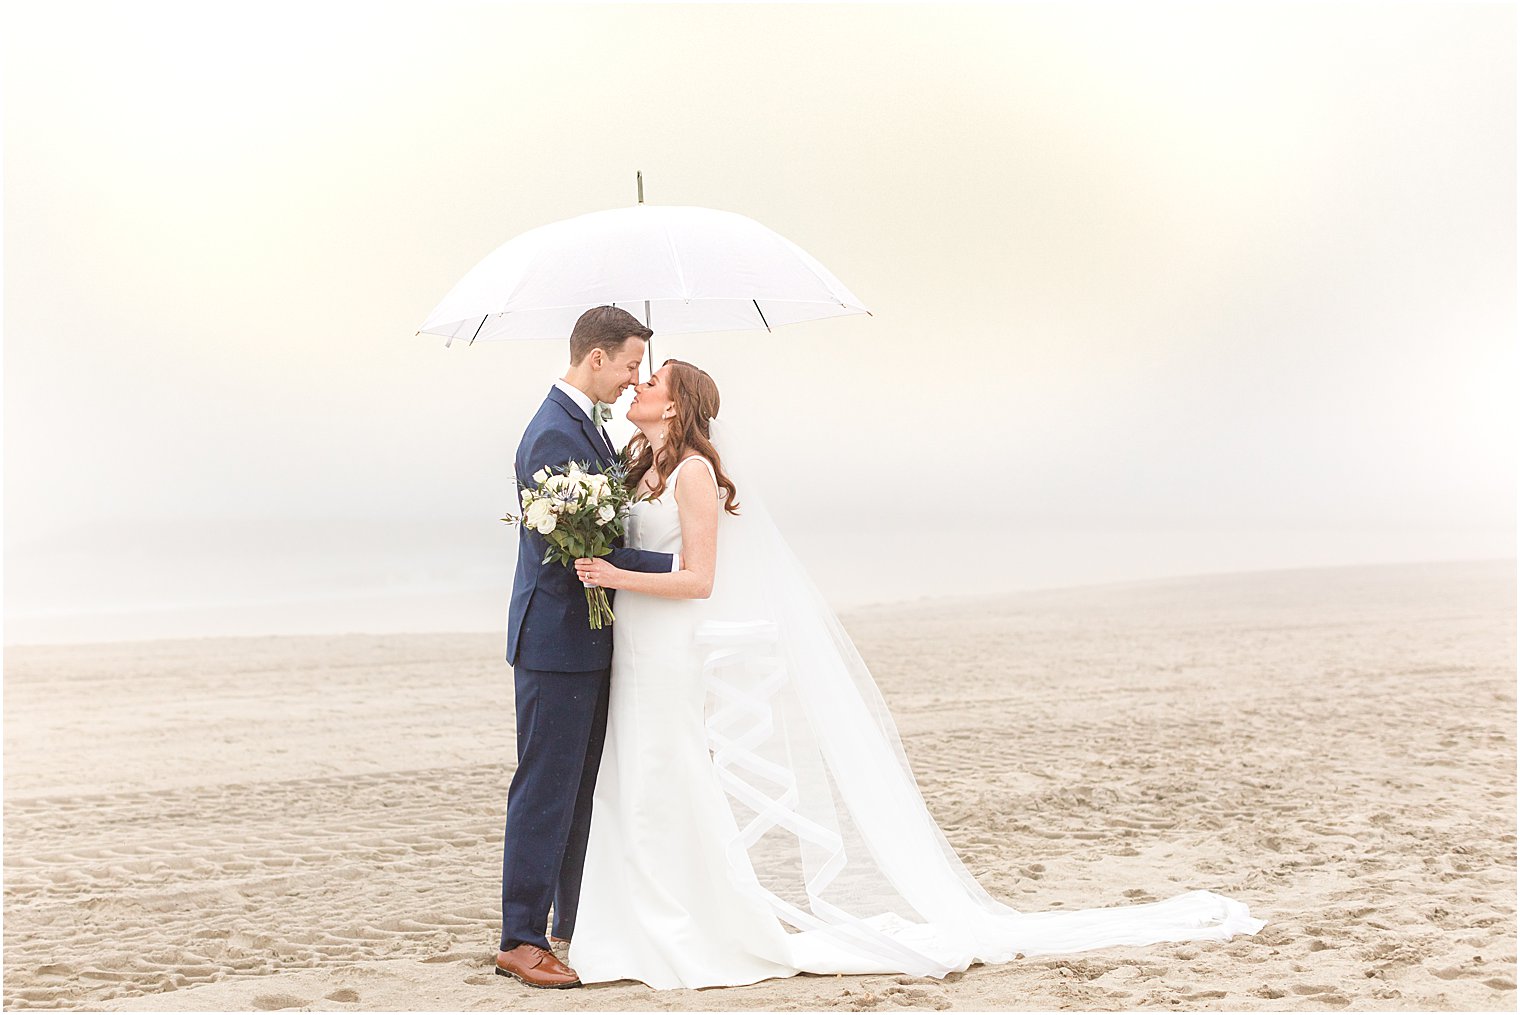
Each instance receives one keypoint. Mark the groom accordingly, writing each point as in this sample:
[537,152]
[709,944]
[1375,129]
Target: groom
[560,665]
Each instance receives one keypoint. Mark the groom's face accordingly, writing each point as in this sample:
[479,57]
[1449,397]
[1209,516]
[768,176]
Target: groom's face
[619,369]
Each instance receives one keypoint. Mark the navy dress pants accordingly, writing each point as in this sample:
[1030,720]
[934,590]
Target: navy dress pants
[561,726]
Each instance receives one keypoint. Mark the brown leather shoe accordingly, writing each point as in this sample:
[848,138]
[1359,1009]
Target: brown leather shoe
[536,967]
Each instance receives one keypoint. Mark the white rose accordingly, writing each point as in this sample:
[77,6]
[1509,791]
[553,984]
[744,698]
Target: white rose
[537,512]
[556,483]
[540,476]
[606,513]
[547,525]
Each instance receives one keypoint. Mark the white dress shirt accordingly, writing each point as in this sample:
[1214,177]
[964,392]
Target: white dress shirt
[583,400]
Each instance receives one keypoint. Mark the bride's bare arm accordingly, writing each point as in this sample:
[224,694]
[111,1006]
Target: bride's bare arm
[697,502]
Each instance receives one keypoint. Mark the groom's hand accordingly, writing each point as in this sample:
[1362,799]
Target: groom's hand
[598,571]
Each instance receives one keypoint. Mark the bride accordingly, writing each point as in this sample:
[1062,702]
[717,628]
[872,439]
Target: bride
[754,814]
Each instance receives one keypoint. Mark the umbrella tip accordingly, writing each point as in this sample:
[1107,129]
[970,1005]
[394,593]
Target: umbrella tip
[640,175]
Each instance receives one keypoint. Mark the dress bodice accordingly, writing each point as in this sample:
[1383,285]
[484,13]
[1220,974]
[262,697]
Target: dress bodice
[656,524]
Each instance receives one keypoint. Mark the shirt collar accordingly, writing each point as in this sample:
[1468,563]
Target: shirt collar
[578,396]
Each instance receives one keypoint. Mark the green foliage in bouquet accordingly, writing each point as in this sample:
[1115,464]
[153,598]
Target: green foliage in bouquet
[579,513]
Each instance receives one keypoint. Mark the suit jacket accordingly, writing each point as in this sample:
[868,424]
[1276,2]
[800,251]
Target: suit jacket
[547,625]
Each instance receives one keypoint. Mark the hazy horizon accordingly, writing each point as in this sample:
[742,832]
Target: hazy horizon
[1157,289]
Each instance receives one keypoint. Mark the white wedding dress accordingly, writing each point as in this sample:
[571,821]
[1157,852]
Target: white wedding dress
[755,815]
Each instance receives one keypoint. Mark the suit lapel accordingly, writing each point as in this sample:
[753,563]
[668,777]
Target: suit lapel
[603,448]
[599,448]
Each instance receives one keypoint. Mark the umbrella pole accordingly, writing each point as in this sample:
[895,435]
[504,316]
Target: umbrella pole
[639,177]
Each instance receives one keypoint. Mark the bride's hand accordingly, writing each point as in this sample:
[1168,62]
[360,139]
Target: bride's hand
[597,571]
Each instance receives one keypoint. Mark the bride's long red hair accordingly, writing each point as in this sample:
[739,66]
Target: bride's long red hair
[695,395]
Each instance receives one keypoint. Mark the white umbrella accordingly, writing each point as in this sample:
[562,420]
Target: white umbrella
[688,269]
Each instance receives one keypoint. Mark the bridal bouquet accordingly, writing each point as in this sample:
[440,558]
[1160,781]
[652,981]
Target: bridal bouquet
[579,513]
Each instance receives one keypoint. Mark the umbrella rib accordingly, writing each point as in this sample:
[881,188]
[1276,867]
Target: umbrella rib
[762,315]
[675,260]
[477,329]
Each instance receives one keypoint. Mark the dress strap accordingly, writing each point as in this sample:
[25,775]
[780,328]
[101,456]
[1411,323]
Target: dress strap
[671,483]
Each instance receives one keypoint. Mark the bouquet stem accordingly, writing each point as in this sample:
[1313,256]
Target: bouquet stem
[598,609]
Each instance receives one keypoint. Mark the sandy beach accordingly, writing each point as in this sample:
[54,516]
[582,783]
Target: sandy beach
[315,822]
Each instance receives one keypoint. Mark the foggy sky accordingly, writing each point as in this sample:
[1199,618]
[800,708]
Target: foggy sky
[1137,269]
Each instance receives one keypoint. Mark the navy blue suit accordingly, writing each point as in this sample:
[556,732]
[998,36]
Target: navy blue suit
[561,670]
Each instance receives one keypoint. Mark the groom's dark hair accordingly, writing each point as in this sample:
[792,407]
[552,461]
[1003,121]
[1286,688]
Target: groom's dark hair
[604,328]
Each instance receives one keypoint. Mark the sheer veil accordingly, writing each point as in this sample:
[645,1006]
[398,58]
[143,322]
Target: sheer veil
[830,830]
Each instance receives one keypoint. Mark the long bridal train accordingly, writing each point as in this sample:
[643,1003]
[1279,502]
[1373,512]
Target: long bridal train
[755,814]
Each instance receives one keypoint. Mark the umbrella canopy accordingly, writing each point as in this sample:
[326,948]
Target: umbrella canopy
[680,269]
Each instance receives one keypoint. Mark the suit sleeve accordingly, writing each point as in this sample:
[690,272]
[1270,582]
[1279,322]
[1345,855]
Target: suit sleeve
[642,560]
[550,448]
[553,449]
